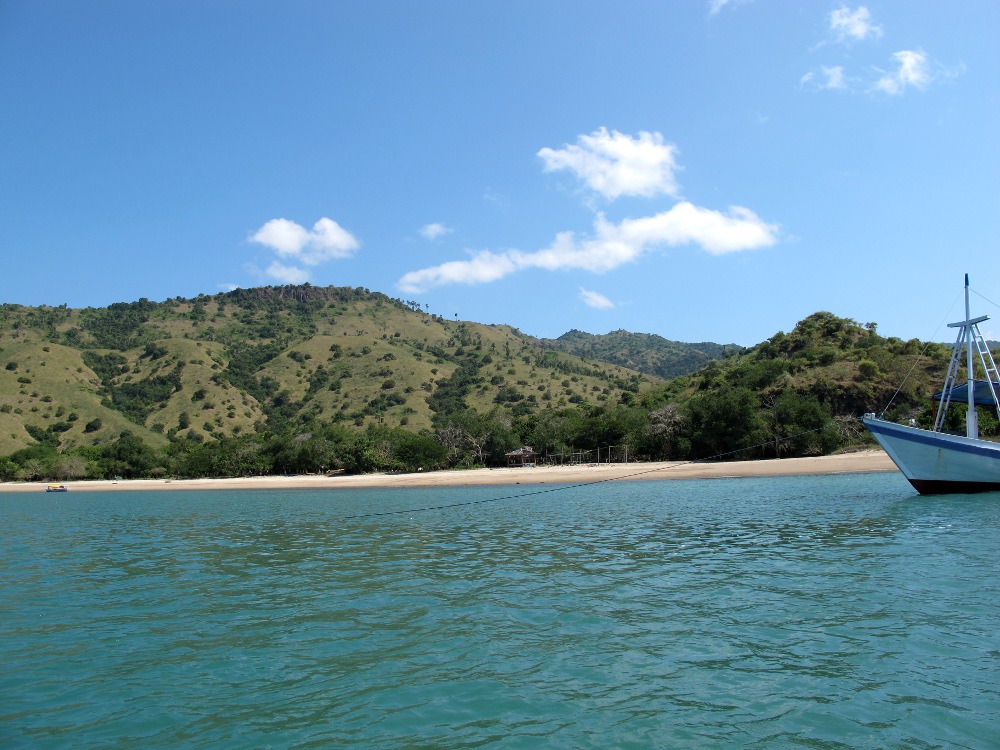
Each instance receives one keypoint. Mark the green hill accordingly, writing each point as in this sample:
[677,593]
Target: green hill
[302,378]
[270,361]
[801,393]
[644,352]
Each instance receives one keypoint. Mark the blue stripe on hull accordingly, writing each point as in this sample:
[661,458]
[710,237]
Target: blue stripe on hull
[925,437]
[936,463]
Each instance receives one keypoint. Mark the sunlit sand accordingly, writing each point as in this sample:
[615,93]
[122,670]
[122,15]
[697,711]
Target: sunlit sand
[847,463]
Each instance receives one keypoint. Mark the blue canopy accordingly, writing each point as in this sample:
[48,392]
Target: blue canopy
[982,395]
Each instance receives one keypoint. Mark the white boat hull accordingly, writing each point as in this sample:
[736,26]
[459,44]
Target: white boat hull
[936,463]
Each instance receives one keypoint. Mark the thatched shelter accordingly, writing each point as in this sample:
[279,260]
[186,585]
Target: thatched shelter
[525,456]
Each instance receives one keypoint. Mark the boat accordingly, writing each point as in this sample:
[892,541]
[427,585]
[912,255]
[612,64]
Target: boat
[937,462]
[56,488]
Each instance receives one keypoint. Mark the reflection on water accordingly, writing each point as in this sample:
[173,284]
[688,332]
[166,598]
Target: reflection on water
[816,611]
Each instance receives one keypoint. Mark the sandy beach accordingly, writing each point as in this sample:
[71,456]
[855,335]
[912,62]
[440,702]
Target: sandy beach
[847,463]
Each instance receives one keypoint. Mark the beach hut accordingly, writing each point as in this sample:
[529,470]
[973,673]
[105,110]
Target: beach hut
[521,457]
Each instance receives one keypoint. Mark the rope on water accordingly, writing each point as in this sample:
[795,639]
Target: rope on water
[560,488]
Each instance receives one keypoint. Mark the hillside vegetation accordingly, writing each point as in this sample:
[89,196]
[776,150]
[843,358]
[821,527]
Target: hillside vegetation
[801,393]
[270,363]
[309,379]
[645,352]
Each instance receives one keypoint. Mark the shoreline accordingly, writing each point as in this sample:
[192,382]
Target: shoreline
[846,463]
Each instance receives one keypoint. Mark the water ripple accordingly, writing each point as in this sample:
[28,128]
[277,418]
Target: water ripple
[824,612]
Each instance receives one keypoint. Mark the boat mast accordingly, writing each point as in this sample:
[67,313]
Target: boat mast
[971,415]
[968,334]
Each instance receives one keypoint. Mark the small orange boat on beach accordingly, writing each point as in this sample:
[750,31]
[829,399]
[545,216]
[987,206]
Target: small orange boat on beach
[56,488]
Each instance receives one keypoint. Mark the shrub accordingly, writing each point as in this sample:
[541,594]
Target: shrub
[868,369]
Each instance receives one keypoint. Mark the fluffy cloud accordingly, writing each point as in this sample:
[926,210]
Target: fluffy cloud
[914,70]
[846,24]
[614,164]
[327,240]
[610,246]
[435,230]
[483,267]
[595,299]
[294,244]
[281,235]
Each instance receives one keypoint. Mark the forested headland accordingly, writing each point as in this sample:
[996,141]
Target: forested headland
[304,379]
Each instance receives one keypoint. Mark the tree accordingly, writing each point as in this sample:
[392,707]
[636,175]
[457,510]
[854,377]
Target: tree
[798,425]
[411,451]
[127,457]
[723,422]
[474,439]
[33,469]
[69,467]
[666,424]
[8,470]
[553,430]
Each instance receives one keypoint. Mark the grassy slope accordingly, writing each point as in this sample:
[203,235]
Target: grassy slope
[59,386]
[340,354]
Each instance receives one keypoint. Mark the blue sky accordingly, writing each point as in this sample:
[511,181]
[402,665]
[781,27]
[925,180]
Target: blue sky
[700,169]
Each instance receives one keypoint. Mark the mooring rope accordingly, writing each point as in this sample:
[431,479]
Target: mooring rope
[984,298]
[563,487]
[923,349]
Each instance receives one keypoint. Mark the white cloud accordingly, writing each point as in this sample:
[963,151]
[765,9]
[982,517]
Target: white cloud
[326,241]
[483,267]
[435,230]
[281,235]
[614,164]
[857,24]
[287,274]
[826,78]
[610,246]
[595,299]
[914,70]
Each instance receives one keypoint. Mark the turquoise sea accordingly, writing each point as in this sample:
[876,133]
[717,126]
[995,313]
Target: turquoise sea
[818,612]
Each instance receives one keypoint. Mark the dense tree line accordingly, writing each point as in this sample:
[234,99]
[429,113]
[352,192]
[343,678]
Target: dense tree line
[727,423]
[723,423]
